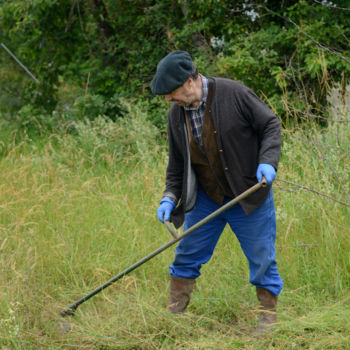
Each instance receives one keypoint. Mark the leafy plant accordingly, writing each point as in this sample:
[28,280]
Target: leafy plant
[110,49]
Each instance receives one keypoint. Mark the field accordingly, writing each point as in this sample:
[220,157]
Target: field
[76,208]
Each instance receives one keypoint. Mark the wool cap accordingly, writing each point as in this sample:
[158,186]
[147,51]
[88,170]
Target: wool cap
[172,72]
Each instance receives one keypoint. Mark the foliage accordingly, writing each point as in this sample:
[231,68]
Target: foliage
[103,47]
[90,106]
[36,33]
[106,142]
[294,56]
[110,48]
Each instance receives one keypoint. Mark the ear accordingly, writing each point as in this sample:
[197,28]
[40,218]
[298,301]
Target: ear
[189,82]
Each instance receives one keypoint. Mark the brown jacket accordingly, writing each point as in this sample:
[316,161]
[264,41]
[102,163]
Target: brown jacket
[247,132]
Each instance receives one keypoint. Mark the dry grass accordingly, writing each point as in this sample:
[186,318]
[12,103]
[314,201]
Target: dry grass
[78,210]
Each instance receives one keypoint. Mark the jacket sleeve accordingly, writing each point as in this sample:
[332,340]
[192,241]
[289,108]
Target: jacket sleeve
[175,168]
[266,125]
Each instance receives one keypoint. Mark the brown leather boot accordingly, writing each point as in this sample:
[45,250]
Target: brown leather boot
[180,291]
[267,310]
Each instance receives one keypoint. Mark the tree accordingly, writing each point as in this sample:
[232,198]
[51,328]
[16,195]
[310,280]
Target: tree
[278,48]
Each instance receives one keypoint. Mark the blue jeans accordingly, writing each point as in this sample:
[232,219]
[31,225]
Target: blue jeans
[255,232]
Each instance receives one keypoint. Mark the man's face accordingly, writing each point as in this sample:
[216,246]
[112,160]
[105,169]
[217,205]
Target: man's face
[183,95]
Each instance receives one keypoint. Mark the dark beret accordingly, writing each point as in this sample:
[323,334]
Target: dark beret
[172,72]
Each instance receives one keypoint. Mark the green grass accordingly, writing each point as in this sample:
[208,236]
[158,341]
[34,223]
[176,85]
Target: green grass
[77,209]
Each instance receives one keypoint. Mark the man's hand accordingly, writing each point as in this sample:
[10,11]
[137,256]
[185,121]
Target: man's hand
[266,170]
[165,209]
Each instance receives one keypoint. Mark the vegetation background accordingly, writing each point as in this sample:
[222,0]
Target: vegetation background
[83,157]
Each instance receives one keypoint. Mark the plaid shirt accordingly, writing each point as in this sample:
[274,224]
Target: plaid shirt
[197,114]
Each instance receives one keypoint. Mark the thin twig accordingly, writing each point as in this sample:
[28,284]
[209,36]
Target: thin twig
[326,145]
[82,28]
[308,114]
[330,5]
[69,22]
[324,157]
[314,191]
[343,35]
[288,188]
[19,62]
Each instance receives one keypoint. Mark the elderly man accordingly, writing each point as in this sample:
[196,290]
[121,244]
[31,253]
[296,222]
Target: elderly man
[222,139]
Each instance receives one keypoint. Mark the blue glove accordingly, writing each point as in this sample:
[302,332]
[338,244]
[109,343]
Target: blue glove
[165,209]
[266,170]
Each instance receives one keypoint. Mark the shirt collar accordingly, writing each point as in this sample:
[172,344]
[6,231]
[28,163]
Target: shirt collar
[204,94]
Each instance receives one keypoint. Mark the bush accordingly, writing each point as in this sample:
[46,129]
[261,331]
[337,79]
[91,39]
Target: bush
[90,106]
[105,142]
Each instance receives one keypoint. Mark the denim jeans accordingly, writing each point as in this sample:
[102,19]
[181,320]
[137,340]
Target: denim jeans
[255,232]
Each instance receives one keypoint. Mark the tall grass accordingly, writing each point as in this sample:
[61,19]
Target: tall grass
[80,207]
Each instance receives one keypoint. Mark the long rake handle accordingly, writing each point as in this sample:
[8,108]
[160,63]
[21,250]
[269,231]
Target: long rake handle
[70,310]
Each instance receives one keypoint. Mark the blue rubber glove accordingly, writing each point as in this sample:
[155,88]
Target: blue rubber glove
[165,209]
[266,170]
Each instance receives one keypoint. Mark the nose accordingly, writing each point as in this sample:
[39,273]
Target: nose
[168,97]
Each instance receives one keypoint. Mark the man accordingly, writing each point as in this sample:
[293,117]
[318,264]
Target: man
[223,138]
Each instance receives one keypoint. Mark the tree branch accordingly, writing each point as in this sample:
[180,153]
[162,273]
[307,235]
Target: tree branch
[332,5]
